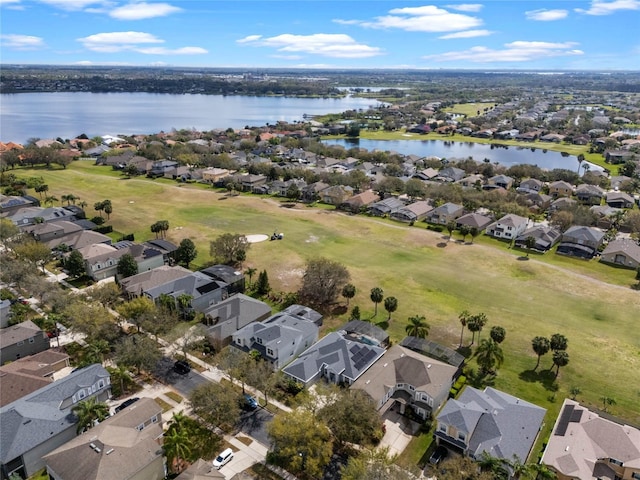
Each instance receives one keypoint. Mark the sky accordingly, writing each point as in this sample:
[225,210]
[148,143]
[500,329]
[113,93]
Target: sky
[324,34]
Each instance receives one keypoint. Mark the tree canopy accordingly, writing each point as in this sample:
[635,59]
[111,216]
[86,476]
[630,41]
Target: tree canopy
[229,248]
[323,281]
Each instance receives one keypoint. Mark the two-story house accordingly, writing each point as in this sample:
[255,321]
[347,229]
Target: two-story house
[586,445]
[508,227]
[530,185]
[127,445]
[409,379]
[491,421]
[40,422]
[279,339]
[560,189]
[589,194]
[445,213]
[546,237]
[21,340]
[227,317]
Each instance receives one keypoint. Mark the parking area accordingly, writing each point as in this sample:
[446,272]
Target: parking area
[243,457]
[399,432]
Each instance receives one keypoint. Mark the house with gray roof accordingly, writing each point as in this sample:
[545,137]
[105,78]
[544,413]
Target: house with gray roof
[279,339]
[445,213]
[450,174]
[40,422]
[624,252]
[203,290]
[500,181]
[385,207]
[136,285]
[10,204]
[124,446]
[337,358]
[530,185]
[414,212]
[201,470]
[474,220]
[227,317]
[407,378]
[102,262]
[508,227]
[21,340]
[619,200]
[588,445]
[546,237]
[489,421]
[580,241]
[32,215]
[589,194]
[366,332]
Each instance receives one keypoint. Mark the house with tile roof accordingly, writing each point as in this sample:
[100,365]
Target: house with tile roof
[445,213]
[385,207]
[546,238]
[40,422]
[21,340]
[619,200]
[589,194]
[530,185]
[227,317]
[126,446]
[360,201]
[624,252]
[408,379]
[279,339]
[489,421]
[580,241]
[590,445]
[136,285]
[337,358]
[101,260]
[560,188]
[9,204]
[414,212]
[474,220]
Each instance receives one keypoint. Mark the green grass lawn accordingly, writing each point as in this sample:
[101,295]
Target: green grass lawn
[589,303]
[468,109]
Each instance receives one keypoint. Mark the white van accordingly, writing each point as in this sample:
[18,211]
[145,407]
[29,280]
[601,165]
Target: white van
[223,458]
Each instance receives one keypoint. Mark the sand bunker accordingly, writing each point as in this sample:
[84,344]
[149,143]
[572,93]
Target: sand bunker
[256,238]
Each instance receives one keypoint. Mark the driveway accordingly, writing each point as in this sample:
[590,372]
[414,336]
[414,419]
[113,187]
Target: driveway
[243,457]
[399,432]
[255,423]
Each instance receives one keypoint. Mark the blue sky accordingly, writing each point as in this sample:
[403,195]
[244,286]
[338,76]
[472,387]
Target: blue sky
[507,34]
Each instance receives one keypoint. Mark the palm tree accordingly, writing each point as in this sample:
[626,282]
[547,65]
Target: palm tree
[417,327]
[558,342]
[539,471]
[250,272]
[574,392]
[97,349]
[520,469]
[177,445]
[497,334]
[494,465]
[88,412]
[541,346]
[348,292]
[50,200]
[376,297]
[489,355]
[475,324]
[120,376]
[560,359]
[464,231]
[390,305]
[607,402]
[464,318]
[451,226]
[82,204]
[580,160]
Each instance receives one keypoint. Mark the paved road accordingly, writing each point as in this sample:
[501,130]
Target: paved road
[254,424]
[183,384]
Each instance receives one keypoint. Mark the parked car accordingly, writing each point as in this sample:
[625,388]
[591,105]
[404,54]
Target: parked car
[438,455]
[182,367]
[222,459]
[249,402]
[126,403]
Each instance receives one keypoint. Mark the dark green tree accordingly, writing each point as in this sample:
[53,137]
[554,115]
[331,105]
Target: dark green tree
[186,252]
[498,334]
[127,266]
[262,285]
[377,295]
[560,359]
[390,305]
[541,347]
[75,264]
[322,282]
[348,292]
[229,248]
[489,356]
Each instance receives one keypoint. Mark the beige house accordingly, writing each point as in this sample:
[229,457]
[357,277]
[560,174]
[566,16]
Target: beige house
[623,252]
[126,446]
[560,189]
[214,175]
[587,446]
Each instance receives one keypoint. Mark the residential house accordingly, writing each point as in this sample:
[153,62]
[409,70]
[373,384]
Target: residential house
[250,182]
[409,379]
[414,212]
[385,207]
[474,220]
[214,175]
[136,285]
[311,193]
[304,313]
[232,278]
[165,247]
[426,174]
[624,252]
[538,201]
[619,200]
[444,214]
[589,194]
[327,162]
[618,181]
[162,167]
[616,157]
[605,215]
[101,261]
[203,290]
[587,445]
[580,241]
[32,215]
[227,317]
[358,202]
[28,374]
[40,422]
[450,174]
[21,340]
[9,204]
[5,313]
[491,421]
[501,181]
[201,470]
[508,227]
[562,203]
[546,238]
[125,446]
[336,194]
[338,358]
[279,339]
[471,181]
[560,188]
[530,185]
[552,137]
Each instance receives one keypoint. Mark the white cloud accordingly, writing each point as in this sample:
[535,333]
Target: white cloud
[466,7]
[428,18]
[76,4]
[324,44]
[142,10]
[113,42]
[519,51]
[22,42]
[607,8]
[467,34]
[543,15]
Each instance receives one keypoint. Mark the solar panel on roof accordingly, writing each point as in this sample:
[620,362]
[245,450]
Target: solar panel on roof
[576,416]
[354,349]
[563,423]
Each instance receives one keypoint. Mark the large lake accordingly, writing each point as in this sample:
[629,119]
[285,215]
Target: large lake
[68,114]
[459,150]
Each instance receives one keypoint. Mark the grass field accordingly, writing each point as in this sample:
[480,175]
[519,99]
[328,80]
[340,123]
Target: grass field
[589,303]
[468,109]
